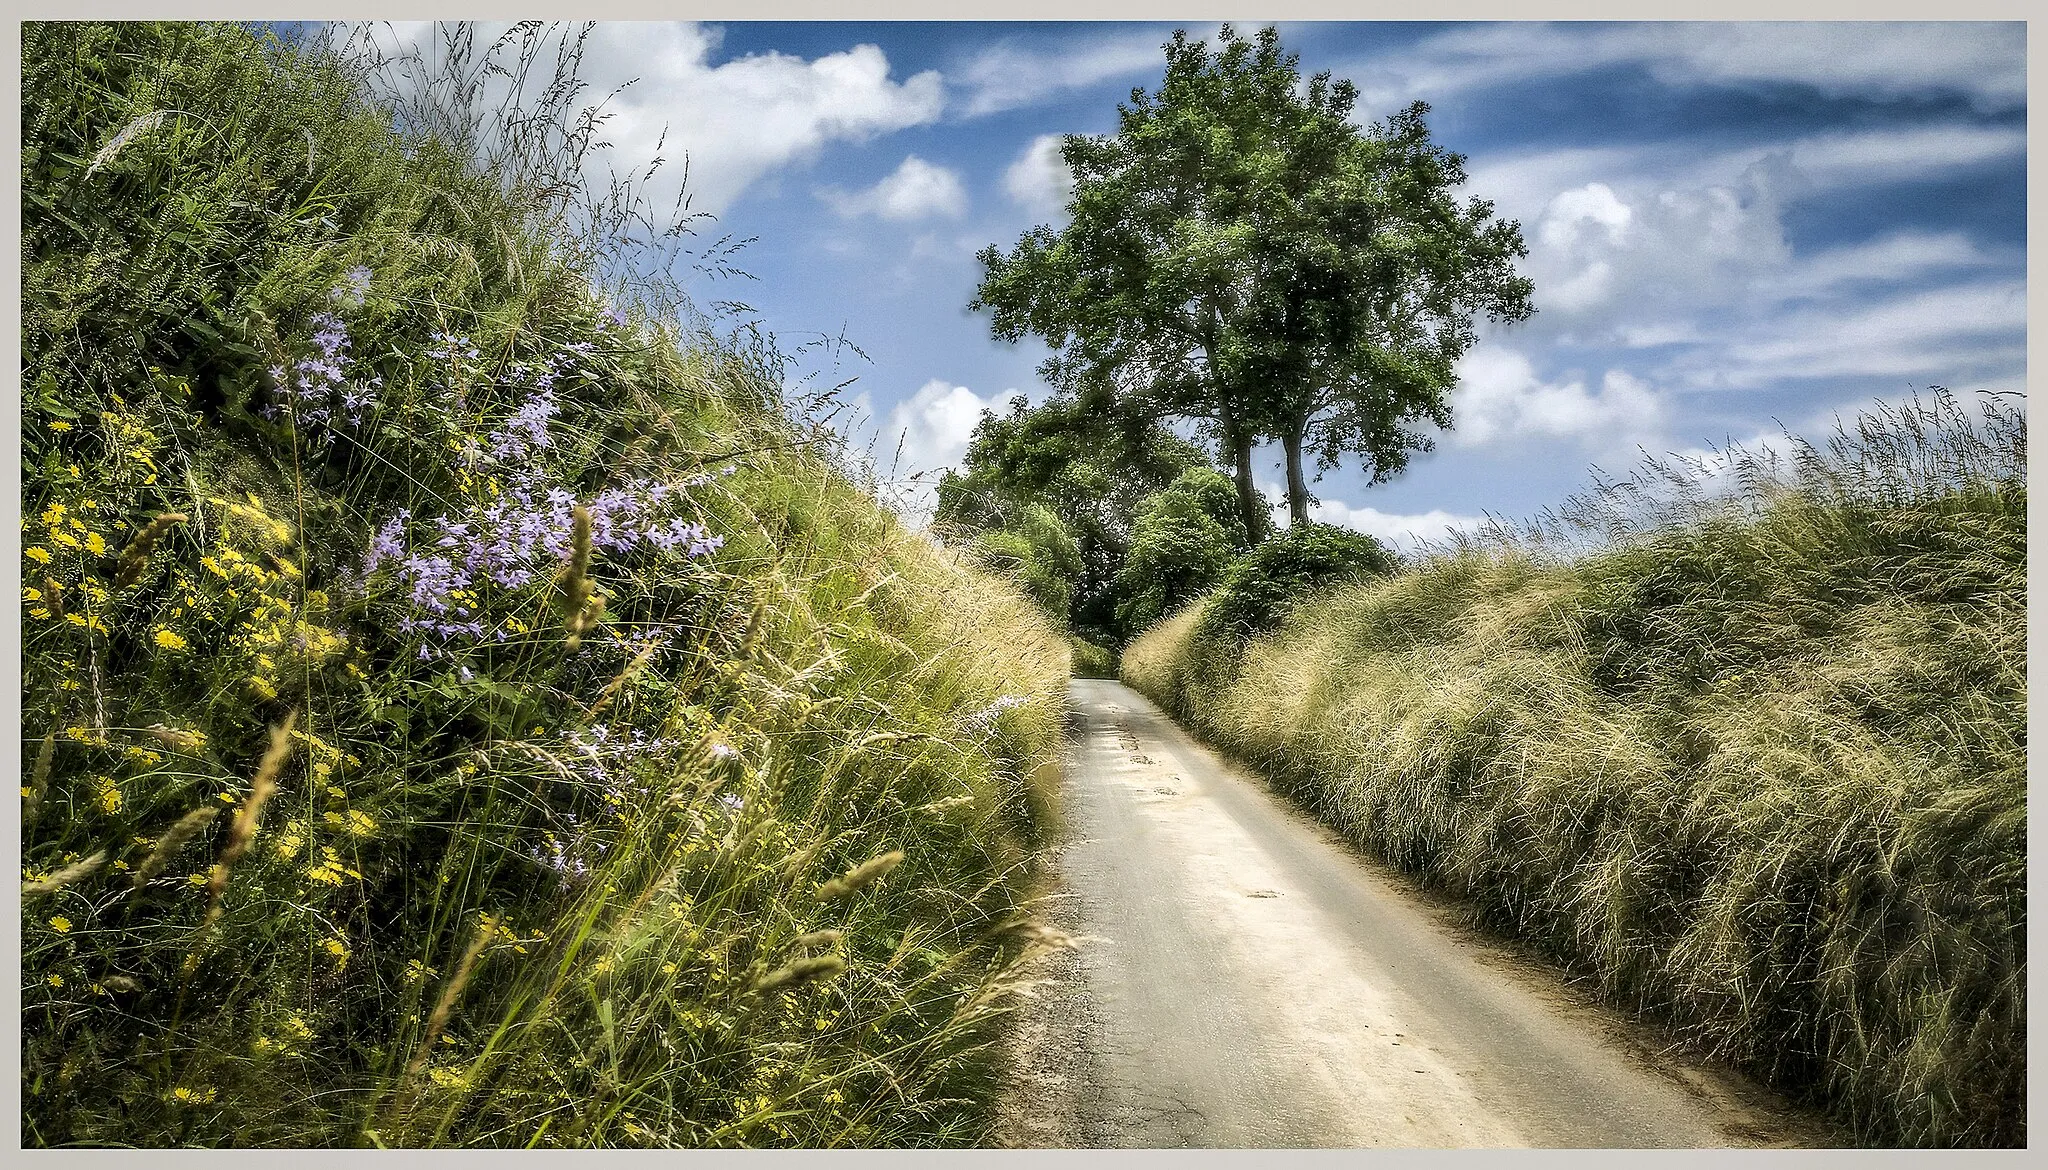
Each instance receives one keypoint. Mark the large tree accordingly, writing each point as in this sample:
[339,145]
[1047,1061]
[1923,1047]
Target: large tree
[1241,253]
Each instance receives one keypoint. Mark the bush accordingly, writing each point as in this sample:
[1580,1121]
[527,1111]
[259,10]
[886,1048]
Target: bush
[438,735]
[1092,661]
[1183,540]
[1759,771]
[1258,587]
[1035,550]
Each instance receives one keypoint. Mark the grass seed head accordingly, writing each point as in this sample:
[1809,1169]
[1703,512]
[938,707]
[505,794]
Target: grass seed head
[174,839]
[860,876]
[799,972]
[136,557]
[64,877]
[135,128]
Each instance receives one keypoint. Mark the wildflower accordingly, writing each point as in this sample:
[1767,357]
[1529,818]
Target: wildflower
[338,949]
[110,798]
[188,1096]
[170,640]
[37,553]
[59,425]
[60,924]
[55,980]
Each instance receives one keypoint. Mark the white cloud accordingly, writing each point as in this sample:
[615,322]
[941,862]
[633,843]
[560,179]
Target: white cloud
[739,122]
[1594,253]
[1039,180]
[1890,259]
[1962,331]
[919,437]
[1403,531]
[1500,398]
[914,190]
[1005,77]
[1985,61]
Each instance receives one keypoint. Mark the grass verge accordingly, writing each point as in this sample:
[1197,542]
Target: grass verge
[461,708]
[1756,764]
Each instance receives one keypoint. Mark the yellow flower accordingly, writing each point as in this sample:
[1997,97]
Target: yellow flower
[111,799]
[37,554]
[95,543]
[31,595]
[60,924]
[65,539]
[187,1096]
[75,619]
[59,425]
[53,515]
[170,640]
[263,688]
[39,612]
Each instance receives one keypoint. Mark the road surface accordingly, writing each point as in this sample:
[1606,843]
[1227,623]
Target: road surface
[1246,979]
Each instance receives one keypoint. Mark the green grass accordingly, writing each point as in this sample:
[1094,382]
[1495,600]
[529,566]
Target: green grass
[1755,765]
[513,888]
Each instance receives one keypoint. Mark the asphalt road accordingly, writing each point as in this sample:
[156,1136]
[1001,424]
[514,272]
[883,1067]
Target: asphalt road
[1246,979]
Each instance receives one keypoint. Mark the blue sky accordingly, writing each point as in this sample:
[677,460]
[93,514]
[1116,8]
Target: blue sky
[1731,226]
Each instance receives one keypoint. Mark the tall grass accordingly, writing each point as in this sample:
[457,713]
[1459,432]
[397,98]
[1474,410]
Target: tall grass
[555,686]
[1755,761]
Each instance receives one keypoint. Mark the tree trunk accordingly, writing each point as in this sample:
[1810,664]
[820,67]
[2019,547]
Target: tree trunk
[1248,502]
[1297,483]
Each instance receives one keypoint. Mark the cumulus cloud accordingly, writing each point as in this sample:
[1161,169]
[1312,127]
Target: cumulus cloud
[1402,531]
[1039,180]
[919,437]
[739,122]
[1693,259]
[1501,398]
[914,190]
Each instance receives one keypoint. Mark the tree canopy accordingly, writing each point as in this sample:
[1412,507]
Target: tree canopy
[1242,253]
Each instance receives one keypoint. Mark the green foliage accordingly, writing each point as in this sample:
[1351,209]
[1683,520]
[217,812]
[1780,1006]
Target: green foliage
[1092,471]
[1034,550]
[1240,252]
[1092,661]
[513,888]
[1184,539]
[1258,588]
[1758,770]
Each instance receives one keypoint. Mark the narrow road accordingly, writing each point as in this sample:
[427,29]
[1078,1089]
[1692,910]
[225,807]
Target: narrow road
[1246,979]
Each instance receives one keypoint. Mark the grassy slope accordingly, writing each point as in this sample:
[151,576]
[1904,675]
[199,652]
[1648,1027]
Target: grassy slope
[509,890]
[1761,774]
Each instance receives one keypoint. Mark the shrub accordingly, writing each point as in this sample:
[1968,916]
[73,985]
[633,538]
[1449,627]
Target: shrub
[1258,587]
[1183,540]
[1092,661]
[1035,550]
